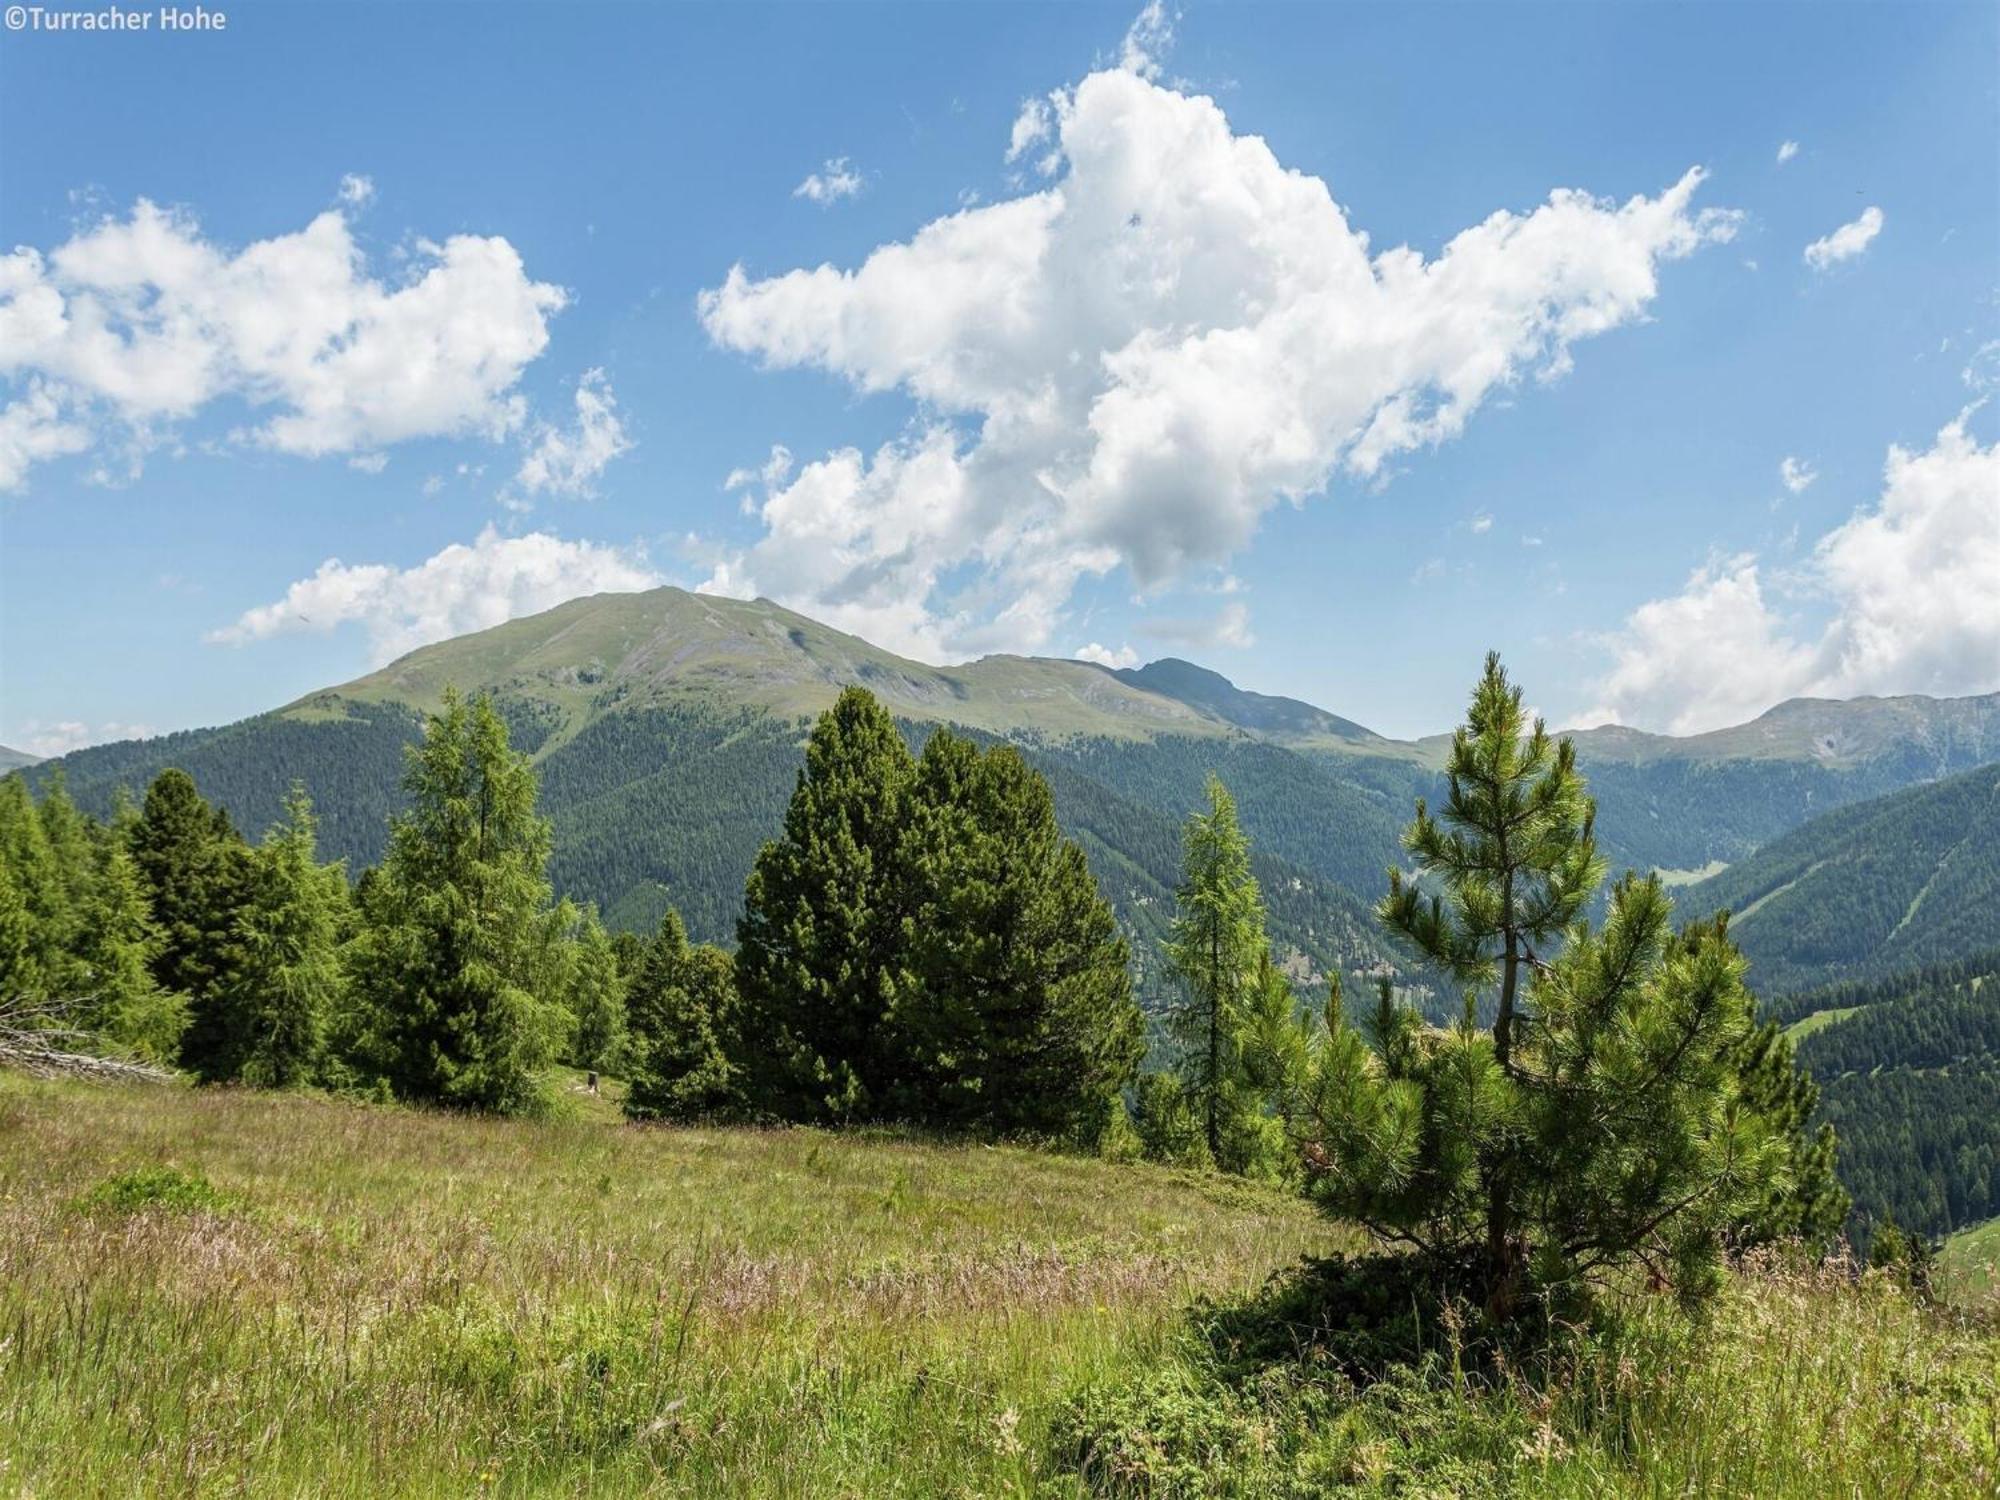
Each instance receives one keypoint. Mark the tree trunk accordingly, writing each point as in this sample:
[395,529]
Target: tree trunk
[1502,1253]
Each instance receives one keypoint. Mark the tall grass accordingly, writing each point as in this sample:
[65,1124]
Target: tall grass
[374,1300]
[226,1292]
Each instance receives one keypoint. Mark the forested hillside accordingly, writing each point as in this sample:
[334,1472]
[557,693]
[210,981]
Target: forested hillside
[1911,1087]
[1906,880]
[1909,1075]
[666,728]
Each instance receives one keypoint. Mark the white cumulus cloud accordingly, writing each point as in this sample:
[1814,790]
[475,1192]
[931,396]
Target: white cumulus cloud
[568,460]
[1909,591]
[35,429]
[1133,364]
[134,325]
[1786,151]
[835,180]
[1845,242]
[462,588]
[1796,474]
[1104,656]
[49,740]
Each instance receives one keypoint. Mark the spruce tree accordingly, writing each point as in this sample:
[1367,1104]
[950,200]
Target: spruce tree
[289,984]
[1021,1017]
[16,943]
[1215,946]
[458,961]
[822,957]
[1599,1123]
[685,1067]
[196,871]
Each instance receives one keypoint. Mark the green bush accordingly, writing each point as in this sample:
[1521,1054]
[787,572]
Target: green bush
[165,1189]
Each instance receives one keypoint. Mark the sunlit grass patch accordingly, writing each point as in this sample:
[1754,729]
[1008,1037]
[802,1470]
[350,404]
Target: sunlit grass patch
[403,1302]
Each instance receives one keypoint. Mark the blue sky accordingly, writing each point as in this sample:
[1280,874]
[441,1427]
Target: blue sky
[432,320]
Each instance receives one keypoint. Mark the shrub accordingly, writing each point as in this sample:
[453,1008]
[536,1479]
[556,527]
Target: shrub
[160,1188]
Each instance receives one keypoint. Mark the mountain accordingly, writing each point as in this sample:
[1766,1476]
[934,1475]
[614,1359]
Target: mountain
[1903,880]
[14,760]
[666,727]
[1286,721]
[669,649]
[1928,736]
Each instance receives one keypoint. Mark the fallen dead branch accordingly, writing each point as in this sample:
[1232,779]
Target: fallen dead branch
[35,1039]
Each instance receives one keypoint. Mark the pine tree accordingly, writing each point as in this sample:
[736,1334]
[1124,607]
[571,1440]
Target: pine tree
[1216,944]
[1279,1041]
[1517,860]
[458,961]
[1021,1018]
[1599,1123]
[821,952]
[289,985]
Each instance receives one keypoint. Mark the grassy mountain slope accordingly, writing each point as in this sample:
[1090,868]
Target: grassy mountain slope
[666,729]
[667,648]
[1903,880]
[1927,736]
[1285,721]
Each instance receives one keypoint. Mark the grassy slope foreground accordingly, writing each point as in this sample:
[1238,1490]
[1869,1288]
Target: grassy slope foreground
[380,1301]
[395,1302]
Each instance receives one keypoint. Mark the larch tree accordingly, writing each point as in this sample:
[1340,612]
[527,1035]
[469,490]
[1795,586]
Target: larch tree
[458,960]
[289,983]
[1215,946]
[597,997]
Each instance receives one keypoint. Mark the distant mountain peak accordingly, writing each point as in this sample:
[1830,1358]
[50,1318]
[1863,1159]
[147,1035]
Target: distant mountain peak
[1286,719]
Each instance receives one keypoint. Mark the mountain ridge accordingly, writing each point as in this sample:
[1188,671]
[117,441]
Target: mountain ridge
[666,727]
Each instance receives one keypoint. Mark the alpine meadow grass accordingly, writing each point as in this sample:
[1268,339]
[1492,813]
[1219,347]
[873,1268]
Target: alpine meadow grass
[222,1291]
